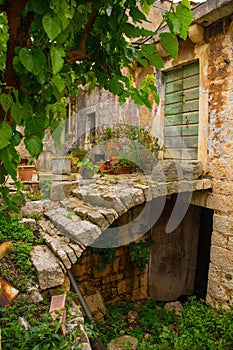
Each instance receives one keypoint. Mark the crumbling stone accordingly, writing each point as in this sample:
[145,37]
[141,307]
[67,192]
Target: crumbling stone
[123,342]
[48,270]
[174,305]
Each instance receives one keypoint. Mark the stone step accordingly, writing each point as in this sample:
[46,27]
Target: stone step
[81,231]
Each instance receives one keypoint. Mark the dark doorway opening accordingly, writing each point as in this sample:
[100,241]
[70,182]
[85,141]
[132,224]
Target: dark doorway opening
[203,254]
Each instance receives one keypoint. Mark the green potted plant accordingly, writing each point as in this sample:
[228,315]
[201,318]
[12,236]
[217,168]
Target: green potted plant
[87,168]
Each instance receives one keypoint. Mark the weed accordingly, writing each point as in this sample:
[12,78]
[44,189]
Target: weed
[45,189]
[198,327]
[140,252]
[70,214]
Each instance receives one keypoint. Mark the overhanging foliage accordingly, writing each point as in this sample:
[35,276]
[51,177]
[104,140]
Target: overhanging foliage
[50,47]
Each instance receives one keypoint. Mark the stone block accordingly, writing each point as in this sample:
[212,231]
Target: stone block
[47,268]
[125,342]
[95,302]
[61,165]
[221,257]
[219,239]
[196,33]
[33,207]
[125,286]
[223,224]
[174,306]
[218,292]
[222,186]
[140,293]
[220,202]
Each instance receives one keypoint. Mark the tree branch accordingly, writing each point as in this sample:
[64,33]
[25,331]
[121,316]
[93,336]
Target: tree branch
[81,53]
[13,10]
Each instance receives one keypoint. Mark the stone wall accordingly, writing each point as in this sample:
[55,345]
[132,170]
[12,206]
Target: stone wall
[117,281]
[215,141]
[220,159]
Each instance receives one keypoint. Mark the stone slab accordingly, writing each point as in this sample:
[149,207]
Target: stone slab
[48,269]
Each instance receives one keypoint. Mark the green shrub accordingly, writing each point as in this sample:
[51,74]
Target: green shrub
[45,335]
[199,327]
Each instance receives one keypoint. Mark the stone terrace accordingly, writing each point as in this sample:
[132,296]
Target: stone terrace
[81,210]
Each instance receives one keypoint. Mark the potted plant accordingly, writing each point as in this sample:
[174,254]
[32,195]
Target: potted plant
[87,168]
[117,166]
[26,169]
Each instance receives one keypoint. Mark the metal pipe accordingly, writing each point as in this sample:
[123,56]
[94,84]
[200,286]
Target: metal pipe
[82,301]
[96,343]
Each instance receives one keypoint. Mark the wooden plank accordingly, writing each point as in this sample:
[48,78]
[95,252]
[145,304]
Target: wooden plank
[173,86]
[172,142]
[172,75]
[193,118]
[189,153]
[189,130]
[190,142]
[173,120]
[172,154]
[173,131]
[192,94]
[190,70]
[174,97]
[191,82]
[176,108]
[190,106]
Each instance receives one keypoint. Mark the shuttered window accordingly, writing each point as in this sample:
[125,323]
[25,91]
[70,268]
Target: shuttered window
[181,112]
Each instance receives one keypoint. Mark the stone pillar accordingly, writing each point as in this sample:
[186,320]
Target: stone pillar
[220,164]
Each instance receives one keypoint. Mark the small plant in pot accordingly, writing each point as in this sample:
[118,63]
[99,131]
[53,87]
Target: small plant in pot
[87,168]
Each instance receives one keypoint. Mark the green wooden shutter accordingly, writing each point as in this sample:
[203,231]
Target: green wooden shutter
[181,112]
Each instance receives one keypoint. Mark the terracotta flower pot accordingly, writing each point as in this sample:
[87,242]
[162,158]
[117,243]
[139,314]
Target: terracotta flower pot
[101,166]
[25,172]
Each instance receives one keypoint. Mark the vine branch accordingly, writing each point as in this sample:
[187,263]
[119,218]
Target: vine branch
[81,53]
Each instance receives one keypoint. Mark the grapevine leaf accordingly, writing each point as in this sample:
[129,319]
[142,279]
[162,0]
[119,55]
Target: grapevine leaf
[137,15]
[185,17]
[170,43]
[10,201]
[10,158]
[116,87]
[40,6]
[52,25]
[3,173]
[17,137]
[33,60]
[57,54]
[34,145]
[186,3]
[148,51]
[35,125]
[146,6]
[17,112]
[5,134]
[132,31]
[59,83]
[6,101]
